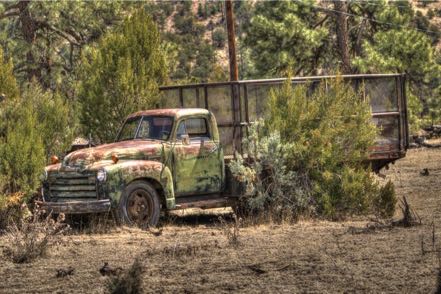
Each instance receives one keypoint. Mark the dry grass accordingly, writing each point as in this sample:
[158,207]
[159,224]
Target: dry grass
[127,282]
[192,253]
[231,229]
[32,237]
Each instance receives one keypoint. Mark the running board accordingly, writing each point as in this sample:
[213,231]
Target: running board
[202,202]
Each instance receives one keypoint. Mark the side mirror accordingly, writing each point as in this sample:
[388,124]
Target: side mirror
[185,139]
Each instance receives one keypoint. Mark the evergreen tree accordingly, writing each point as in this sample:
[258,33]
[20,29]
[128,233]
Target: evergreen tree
[219,37]
[281,32]
[32,127]
[22,153]
[201,11]
[396,46]
[121,76]
[8,84]
[57,120]
[46,38]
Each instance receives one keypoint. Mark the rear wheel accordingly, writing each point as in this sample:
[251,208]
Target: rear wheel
[139,205]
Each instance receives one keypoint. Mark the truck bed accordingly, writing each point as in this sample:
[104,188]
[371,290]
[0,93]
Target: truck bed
[236,104]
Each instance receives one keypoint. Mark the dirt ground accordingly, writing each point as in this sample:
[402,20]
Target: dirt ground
[193,254]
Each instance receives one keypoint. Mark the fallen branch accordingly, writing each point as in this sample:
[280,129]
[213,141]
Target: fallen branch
[410,217]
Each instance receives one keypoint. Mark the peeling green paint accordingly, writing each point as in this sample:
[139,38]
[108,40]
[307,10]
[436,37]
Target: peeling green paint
[175,167]
[122,174]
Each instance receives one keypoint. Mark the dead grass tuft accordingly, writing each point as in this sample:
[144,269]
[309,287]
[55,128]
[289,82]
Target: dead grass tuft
[232,230]
[64,272]
[31,238]
[103,223]
[179,250]
[12,209]
[410,217]
[128,281]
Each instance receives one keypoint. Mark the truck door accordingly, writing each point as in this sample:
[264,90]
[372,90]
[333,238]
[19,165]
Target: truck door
[198,159]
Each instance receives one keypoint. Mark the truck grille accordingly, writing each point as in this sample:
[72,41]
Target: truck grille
[66,186]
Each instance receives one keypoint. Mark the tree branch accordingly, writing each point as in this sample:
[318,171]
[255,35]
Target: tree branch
[59,32]
[10,14]
[320,22]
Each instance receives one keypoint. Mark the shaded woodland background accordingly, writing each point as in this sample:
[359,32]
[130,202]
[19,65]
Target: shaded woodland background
[77,68]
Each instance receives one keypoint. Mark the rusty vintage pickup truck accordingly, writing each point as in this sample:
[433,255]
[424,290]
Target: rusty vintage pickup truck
[173,158]
[167,158]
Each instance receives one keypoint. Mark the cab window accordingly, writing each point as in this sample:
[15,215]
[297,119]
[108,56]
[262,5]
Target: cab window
[195,128]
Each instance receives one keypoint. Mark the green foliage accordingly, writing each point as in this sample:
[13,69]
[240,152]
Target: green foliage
[219,37]
[57,121]
[280,32]
[201,11]
[46,39]
[398,47]
[8,85]
[270,183]
[32,126]
[121,75]
[399,51]
[410,52]
[386,200]
[415,109]
[310,153]
[430,13]
[331,127]
[385,40]
[22,149]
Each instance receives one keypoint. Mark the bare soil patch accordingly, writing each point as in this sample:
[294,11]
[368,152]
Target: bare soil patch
[194,255]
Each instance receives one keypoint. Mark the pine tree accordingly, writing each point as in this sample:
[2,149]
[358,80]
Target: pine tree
[8,85]
[281,32]
[22,152]
[46,39]
[9,91]
[121,76]
[397,47]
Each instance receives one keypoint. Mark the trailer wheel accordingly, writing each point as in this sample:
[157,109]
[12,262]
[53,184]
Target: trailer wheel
[139,205]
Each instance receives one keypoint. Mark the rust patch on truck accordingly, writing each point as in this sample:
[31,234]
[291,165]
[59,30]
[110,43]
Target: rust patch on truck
[172,167]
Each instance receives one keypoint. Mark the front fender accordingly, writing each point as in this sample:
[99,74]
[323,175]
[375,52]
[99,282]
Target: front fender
[124,172]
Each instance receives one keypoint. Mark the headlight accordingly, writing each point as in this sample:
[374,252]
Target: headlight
[101,175]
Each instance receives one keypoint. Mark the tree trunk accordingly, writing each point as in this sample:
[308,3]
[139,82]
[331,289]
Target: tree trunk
[342,35]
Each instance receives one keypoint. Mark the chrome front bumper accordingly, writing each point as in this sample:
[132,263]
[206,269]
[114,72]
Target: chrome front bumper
[76,207]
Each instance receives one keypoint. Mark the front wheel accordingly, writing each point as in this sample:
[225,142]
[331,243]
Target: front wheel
[139,205]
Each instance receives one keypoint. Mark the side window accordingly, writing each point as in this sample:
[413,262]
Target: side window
[181,130]
[195,128]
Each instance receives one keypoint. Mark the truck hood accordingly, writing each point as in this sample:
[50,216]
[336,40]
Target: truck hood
[134,149]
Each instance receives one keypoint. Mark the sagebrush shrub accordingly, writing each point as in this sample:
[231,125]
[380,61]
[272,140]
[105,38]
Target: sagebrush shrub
[310,154]
[269,182]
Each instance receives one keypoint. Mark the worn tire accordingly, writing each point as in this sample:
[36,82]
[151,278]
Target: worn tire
[139,205]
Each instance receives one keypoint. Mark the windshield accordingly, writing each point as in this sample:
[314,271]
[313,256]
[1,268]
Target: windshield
[146,127]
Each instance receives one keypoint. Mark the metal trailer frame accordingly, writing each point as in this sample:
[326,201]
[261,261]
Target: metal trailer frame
[233,125]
